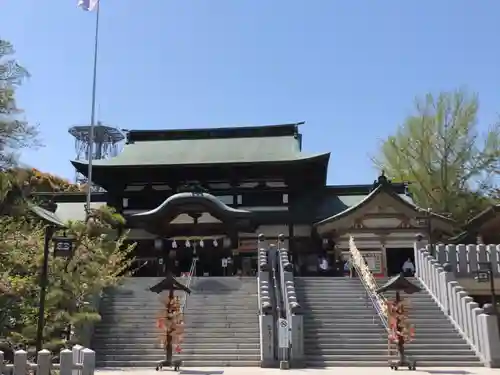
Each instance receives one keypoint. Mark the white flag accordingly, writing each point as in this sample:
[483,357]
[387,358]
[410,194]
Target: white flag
[88,5]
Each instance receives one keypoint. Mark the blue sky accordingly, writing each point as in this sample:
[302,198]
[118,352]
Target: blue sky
[350,69]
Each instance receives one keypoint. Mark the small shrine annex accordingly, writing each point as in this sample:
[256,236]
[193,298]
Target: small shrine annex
[209,193]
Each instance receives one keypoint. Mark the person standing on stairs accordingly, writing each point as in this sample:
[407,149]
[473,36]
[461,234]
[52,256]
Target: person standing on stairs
[348,266]
[408,268]
[323,266]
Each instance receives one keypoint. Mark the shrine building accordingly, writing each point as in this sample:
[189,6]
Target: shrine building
[208,193]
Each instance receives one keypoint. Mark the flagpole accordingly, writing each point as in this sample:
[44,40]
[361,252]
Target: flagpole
[92,112]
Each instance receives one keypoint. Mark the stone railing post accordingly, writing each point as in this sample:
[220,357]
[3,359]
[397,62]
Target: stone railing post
[68,362]
[43,362]
[2,364]
[21,363]
[490,341]
[88,359]
[292,306]
[266,319]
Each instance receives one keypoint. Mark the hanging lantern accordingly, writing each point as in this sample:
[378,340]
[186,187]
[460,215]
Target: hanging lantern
[174,244]
[202,243]
[215,243]
[188,244]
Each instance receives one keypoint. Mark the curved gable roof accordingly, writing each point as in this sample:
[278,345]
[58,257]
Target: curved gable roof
[383,187]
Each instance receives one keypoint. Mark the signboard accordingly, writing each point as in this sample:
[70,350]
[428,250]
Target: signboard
[373,259]
[247,245]
[283,333]
[62,246]
[482,276]
[224,262]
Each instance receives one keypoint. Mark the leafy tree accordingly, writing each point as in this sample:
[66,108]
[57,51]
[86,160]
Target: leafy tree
[451,166]
[15,134]
[99,260]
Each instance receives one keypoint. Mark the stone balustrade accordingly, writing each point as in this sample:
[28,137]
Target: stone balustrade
[479,326]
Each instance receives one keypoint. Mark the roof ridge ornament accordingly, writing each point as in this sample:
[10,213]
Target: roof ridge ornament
[195,188]
[382,180]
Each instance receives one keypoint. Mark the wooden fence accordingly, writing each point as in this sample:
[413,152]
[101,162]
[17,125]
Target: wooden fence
[79,361]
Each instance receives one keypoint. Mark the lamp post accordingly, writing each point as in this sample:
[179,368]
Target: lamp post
[62,246]
[484,274]
[171,310]
[429,230]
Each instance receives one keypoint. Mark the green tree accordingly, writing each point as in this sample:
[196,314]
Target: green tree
[15,134]
[99,260]
[450,165]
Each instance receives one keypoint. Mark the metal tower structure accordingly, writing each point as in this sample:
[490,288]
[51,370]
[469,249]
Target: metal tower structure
[107,144]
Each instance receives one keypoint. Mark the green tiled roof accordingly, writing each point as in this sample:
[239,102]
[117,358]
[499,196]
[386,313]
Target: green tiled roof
[209,151]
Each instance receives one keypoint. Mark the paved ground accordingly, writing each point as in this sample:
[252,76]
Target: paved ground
[337,370]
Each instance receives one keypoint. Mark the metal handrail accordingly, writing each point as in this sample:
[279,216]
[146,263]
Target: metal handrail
[369,283]
[192,270]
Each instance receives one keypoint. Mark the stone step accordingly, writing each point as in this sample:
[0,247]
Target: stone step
[445,360]
[206,332]
[353,323]
[354,297]
[375,334]
[188,318]
[223,332]
[195,357]
[186,345]
[220,314]
[380,343]
[194,338]
[204,351]
[154,308]
[214,325]
[214,304]
[383,351]
[185,363]
[383,363]
[360,314]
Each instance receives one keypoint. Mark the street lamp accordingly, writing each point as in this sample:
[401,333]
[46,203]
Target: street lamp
[484,274]
[62,245]
[172,312]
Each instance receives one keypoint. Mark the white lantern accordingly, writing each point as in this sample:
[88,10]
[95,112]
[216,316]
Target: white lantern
[215,242]
[188,244]
[174,244]
[201,243]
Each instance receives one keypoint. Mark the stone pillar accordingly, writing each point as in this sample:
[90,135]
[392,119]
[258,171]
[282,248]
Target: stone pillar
[267,348]
[488,324]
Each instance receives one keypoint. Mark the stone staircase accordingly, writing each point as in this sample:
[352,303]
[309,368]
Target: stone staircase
[339,322]
[221,324]
[437,342]
[341,328]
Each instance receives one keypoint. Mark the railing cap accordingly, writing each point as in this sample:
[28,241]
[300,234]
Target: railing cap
[488,309]
[447,267]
